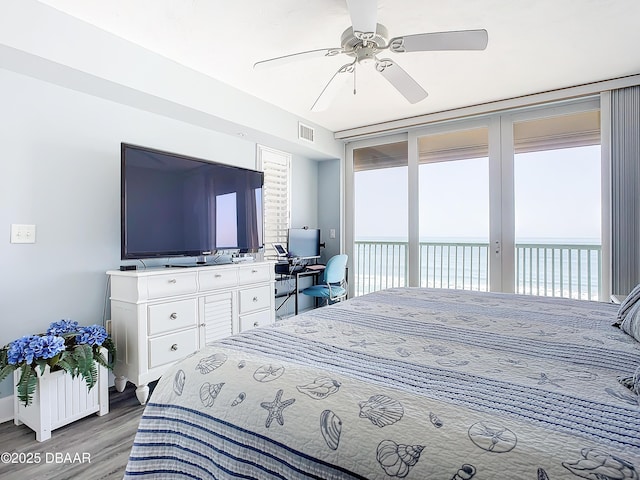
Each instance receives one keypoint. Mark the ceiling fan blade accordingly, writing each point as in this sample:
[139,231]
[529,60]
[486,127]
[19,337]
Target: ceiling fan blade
[364,18]
[294,57]
[401,80]
[425,42]
[335,85]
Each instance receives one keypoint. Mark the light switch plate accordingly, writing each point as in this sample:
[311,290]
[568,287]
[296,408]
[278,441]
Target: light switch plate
[23,233]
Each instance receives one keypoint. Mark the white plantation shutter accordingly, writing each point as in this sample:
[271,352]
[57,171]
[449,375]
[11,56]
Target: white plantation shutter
[276,166]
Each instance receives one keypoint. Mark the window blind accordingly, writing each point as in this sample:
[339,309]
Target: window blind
[276,166]
[625,176]
[547,133]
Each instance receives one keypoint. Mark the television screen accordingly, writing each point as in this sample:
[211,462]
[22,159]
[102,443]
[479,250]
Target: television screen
[174,205]
[304,242]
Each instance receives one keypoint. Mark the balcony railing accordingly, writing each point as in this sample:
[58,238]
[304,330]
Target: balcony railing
[380,265]
[559,270]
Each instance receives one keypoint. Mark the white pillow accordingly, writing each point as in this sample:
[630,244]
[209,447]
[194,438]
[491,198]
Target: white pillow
[627,304]
[631,322]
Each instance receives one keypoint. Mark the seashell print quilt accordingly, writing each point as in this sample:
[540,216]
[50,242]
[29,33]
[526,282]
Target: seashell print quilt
[405,383]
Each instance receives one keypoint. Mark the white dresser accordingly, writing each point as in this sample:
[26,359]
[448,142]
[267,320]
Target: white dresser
[161,315]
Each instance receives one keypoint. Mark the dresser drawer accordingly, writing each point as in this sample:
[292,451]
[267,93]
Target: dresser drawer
[170,316]
[254,320]
[212,279]
[173,347]
[168,285]
[257,298]
[255,273]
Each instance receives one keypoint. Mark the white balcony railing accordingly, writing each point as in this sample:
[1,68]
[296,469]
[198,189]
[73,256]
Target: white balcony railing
[559,270]
[380,265]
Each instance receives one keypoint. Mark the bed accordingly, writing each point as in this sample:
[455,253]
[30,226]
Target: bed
[404,383]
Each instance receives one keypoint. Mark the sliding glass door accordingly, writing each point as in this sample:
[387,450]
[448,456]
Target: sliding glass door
[508,202]
[557,198]
[381,217]
[454,209]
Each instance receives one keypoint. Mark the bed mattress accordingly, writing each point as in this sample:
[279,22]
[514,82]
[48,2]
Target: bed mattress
[404,383]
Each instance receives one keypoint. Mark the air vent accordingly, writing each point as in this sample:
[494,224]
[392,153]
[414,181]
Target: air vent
[305,132]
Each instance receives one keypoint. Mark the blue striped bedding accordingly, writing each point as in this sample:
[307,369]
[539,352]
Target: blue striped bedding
[404,383]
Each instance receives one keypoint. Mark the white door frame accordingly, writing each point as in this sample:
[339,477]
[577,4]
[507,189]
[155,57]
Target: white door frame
[501,185]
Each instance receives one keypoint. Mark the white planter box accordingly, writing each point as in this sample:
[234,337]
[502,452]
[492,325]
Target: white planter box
[60,400]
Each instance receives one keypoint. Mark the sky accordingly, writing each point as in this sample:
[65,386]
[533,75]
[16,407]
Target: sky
[557,197]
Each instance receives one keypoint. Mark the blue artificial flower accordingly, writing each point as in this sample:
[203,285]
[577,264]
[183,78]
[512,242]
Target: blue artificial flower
[92,335]
[47,346]
[62,327]
[16,351]
[34,347]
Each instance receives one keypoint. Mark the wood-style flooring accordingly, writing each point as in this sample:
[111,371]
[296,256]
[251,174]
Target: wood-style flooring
[106,441]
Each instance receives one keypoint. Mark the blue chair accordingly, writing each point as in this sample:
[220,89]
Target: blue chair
[333,284]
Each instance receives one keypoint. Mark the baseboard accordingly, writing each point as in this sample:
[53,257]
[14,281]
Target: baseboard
[6,409]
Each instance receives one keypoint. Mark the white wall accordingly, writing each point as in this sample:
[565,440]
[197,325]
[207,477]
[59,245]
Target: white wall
[60,170]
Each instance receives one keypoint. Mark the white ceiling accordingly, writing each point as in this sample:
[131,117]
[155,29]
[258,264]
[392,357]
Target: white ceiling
[534,46]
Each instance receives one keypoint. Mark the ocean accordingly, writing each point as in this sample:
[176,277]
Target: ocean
[552,267]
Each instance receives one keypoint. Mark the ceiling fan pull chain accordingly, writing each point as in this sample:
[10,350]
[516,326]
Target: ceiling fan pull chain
[354,81]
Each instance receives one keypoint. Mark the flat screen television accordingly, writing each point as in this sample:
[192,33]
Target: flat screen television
[178,206]
[304,242]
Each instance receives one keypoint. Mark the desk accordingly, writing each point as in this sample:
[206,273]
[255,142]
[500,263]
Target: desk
[296,277]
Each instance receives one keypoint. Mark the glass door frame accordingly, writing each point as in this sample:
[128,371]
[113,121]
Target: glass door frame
[349,192]
[492,125]
[501,185]
[508,120]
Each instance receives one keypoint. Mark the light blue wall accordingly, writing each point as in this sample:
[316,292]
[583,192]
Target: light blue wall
[316,204]
[60,170]
[63,114]
[304,192]
[329,207]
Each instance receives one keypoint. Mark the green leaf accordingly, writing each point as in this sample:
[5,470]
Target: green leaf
[83,355]
[53,361]
[42,364]
[99,358]
[110,345]
[68,364]
[26,386]
[6,370]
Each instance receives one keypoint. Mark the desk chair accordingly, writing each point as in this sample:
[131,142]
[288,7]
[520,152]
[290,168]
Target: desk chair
[333,284]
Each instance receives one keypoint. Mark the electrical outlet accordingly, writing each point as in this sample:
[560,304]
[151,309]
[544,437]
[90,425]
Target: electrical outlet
[23,233]
[107,326]
[332,233]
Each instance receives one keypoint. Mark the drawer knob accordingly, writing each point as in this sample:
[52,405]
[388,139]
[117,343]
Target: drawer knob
[174,347]
[255,324]
[254,271]
[255,299]
[173,280]
[173,316]
[218,275]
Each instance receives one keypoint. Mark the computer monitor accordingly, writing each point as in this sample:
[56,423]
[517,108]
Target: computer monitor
[304,242]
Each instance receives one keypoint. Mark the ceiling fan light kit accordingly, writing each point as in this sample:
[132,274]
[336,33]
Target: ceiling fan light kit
[366,38]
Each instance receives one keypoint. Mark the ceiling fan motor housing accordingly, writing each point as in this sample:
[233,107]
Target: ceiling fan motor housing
[364,47]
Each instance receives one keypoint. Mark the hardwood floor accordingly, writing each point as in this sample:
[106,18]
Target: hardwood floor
[97,447]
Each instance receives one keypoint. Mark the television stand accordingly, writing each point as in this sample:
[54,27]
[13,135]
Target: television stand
[159,316]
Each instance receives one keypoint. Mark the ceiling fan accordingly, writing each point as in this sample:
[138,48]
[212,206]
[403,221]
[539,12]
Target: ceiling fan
[366,38]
